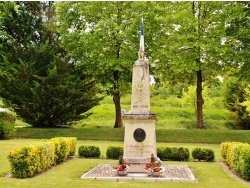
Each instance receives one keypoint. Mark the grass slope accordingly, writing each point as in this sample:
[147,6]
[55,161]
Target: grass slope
[172,113]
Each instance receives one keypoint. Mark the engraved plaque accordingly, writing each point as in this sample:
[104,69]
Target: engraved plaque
[139,135]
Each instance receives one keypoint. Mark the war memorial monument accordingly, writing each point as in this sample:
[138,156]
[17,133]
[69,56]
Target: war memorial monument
[140,137]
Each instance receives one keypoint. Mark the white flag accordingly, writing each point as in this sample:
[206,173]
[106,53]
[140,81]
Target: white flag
[142,36]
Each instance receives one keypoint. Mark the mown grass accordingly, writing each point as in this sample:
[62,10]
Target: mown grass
[175,127]
[162,135]
[68,174]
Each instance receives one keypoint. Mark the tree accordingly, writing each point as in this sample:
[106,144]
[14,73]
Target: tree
[104,38]
[38,81]
[195,46]
[240,27]
[236,94]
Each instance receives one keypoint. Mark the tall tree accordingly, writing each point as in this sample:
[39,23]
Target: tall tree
[37,80]
[195,46]
[104,38]
[240,28]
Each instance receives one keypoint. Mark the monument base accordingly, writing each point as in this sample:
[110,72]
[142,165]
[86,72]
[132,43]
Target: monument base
[139,140]
[137,164]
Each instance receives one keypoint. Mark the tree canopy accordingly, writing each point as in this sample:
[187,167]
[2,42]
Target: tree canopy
[104,38]
[195,46]
[52,60]
[37,79]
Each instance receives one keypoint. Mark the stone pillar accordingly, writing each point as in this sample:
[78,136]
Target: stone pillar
[139,138]
[140,100]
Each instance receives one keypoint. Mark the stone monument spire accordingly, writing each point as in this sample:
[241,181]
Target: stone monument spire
[140,102]
[139,136]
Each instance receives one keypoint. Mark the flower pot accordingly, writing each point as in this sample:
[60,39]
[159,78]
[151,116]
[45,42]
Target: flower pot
[122,170]
[152,172]
[122,173]
[156,174]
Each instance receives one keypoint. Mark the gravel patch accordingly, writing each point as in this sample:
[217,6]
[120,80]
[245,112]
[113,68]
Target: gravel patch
[172,173]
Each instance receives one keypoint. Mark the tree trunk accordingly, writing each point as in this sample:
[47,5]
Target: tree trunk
[116,99]
[199,101]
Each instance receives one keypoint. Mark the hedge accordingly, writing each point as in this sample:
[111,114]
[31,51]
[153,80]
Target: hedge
[173,153]
[237,156]
[203,154]
[114,152]
[29,161]
[89,151]
[7,123]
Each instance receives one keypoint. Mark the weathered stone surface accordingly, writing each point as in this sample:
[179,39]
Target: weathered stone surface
[140,99]
[139,138]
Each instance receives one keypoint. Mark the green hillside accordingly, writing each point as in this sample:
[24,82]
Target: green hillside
[172,113]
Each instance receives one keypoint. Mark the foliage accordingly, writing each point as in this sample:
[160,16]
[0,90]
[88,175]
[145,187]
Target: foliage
[110,28]
[237,156]
[195,31]
[37,80]
[235,96]
[7,123]
[75,167]
[29,161]
[114,152]
[173,153]
[1,103]
[89,151]
[239,28]
[63,148]
[203,154]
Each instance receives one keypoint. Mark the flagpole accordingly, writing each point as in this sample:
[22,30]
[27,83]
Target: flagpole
[142,47]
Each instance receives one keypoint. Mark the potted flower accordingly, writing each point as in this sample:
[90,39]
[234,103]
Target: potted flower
[154,168]
[122,169]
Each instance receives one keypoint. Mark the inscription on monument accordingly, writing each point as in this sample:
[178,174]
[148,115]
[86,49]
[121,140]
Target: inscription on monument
[139,135]
[139,149]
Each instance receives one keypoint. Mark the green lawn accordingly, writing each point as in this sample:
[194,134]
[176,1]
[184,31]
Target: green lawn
[162,135]
[68,174]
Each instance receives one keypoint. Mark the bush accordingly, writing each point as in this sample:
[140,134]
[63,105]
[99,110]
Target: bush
[28,161]
[237,156]
[235,95]
[7,123]
[25,162]
[243,163]
[203,154]
[114,152]
[173,153]
[89,151]
[64,147]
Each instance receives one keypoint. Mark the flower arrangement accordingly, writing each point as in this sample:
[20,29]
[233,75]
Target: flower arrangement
[122,169]
[155,166]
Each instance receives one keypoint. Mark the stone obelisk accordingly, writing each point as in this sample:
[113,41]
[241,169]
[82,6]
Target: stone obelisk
[139,138]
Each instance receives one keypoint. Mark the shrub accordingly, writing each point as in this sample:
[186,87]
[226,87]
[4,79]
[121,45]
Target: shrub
[31,160]
[47,156]
[25,162]
[89,151]
[173,153]
[64,147]
[243,163]
[237,156]
[203,154]
[114,152]
[7,123]
[228,152]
